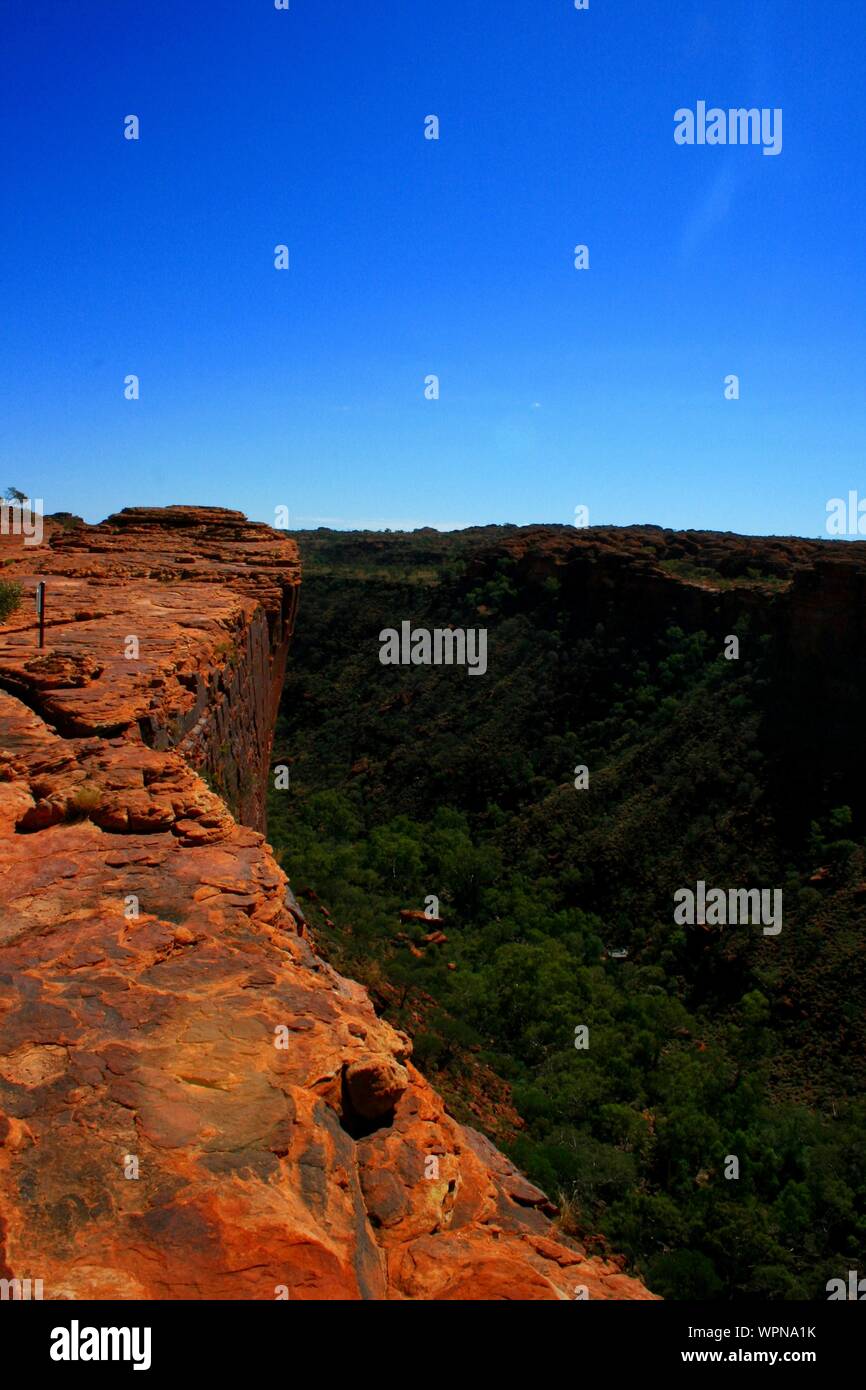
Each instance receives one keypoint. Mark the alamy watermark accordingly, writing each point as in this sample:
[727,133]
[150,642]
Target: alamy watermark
[846,517]
[77,1343]
[443,646]
[737,126]
[854,1291]
[20,1290]
[729,907]
[22,517]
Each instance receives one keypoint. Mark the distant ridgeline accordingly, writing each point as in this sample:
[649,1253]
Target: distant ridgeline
[659,710]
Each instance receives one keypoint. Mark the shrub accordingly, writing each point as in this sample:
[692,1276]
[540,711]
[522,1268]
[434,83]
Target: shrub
[10,598]
[86,799]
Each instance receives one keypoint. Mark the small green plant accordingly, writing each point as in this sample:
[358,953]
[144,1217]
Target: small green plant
[10,598]
[227,649]
[86,799]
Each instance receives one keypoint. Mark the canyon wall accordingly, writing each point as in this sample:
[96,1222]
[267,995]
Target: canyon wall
[192,1103]
[805,598]
[639,579]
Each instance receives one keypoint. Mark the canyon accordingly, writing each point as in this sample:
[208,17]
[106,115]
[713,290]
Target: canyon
[193,1103]
[607,650]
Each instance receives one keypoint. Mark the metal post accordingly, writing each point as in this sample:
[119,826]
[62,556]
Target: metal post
[40,609]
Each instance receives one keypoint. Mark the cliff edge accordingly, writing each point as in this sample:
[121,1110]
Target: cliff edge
[193,1105]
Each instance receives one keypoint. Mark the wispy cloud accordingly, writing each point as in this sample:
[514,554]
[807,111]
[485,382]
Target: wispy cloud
[711,211]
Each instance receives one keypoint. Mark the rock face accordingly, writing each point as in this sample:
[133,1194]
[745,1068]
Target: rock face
[170,621]
[807,596]
[192,1104]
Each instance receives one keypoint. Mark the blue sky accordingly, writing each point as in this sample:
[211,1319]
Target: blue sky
[412,257]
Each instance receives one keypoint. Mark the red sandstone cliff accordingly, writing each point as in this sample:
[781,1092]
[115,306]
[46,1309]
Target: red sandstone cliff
[161,1011]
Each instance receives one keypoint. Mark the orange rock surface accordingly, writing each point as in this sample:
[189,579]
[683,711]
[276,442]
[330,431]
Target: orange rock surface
[192,1104]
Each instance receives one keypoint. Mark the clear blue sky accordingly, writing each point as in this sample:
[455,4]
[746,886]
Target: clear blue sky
[411,257]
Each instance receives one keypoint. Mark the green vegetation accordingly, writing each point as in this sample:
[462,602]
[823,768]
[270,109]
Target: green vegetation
[702,1043]
[87,798]
[705,574]
[10,598]
[227,649]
